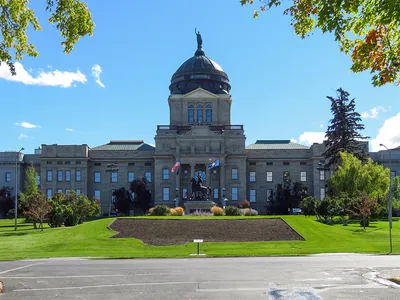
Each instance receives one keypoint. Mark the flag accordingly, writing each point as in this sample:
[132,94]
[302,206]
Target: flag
[214,164]
[176,165]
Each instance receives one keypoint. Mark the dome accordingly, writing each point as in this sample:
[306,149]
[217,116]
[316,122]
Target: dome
[200,71]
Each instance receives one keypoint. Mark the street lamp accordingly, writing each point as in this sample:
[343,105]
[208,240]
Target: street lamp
[176,197]
[390,197]
[111,168]
[16,189]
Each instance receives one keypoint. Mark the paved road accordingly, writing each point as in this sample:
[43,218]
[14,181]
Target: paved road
[313,278]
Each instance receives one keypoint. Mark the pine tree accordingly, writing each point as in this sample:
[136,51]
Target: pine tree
[343,133]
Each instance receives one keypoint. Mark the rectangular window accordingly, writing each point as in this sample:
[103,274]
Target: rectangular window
[59,191]
[234,174]
[199,115]
[59,175]
[38,180]
[114,176]
[286,163]
[321,175]
[216,193]
[165,174]
[252,195]
[97,164]
[208,115]
[165,194]
[49,193]
[322,193]
[235,194]
[78,175]
[67,175]
[49,162]
[49,175]
[147,175]
[303,176]
[191,115]
[78,162]
[59,163]
[252,176]
[78,192]
[286,178]
[8,177]
[67,162]
[303,163]
[97,177]
[269,195]
[269,176]
[148,164]
[393,174]
[252,164]
[97,195]
[131,164]
[269,163]
[131,176]
[184,193]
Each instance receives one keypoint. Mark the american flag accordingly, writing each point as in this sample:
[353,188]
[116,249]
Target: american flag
[176,165]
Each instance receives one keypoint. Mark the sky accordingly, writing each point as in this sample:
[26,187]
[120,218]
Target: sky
[114,85]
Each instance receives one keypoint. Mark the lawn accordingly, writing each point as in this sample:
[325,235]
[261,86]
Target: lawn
[92,239]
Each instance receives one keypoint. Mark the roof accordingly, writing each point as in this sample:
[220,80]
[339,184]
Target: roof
[275,145]
[120,145]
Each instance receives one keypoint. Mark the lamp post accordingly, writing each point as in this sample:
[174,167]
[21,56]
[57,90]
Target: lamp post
[176,197]
[16,189]
[390,197]
[111,168]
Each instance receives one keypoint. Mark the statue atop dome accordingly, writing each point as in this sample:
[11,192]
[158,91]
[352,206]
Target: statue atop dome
[199,40]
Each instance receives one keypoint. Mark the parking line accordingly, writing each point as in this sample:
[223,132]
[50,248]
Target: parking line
[22,267]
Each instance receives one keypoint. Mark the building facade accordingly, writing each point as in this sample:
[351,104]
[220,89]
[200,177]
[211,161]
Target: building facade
[200,132]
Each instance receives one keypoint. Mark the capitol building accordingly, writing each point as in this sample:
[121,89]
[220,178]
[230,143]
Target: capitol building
[199,132]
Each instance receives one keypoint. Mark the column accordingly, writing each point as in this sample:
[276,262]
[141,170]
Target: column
[208,179]
[178,184]
[222,181]
[192,170]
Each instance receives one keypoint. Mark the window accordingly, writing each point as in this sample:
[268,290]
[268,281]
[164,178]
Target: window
[303,176]
[184,193]
[269,195]
[78,162]
[191,113]
[49,175]
[252,164]
[78,192]
[49,193]
[286,163]
[97,164]
[97,177]
[148,164]
[59,163]
[392,174]
[303,163]
[269,163]
[252,176]
[114,176]
[234,174]
[234,194]
[67,175]
[131,164]
[59,175]
[67,192]
[78,175]
[165,194]
[59,191]
[216,193]
[8,177]
[131,176]
[252,195]
[209,113]
[322,193]
[286,177]
[199,113]
[67,162]
[38,180]
[49,162]
[97,195]
[321,175]
[269,176]
[165,174]
[147,175]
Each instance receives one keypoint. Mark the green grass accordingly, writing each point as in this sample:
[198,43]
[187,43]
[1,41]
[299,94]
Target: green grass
[92,239]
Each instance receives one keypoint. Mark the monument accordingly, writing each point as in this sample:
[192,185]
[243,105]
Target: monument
[200,196]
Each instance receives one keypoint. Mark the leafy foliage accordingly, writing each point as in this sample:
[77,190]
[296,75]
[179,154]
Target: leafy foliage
[396,188]
[249,212]
[288,196]
[308,205]
[142,195]
[328,208]
[159,210]
[31,188]
[366,30]
[6,201]
[342,134]
[177,211]
[245,204]
[71,17]
[123,201]
[38,209]
[217,211]
[232,211]
[362,207]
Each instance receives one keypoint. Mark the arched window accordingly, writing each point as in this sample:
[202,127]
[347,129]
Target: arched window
[200,113]
[191,113]
[209,113]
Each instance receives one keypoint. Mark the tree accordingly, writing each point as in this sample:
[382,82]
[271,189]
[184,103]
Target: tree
[353,178]
[71,17]
[38,209]
[31,187]
[366,30]
[6,201]
[142,200]
[123,201]
[327,208]
[308,205]
[396,188]
[342,134]
[361,207]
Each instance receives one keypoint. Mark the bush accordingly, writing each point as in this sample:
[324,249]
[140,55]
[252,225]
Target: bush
[232,211]
[249,212]
[308,205]
[364,222]
[245,204]
[178,211]
[217,211]
[160,210]
[201,213]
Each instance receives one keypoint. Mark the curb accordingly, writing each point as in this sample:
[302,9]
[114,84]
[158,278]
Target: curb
[291,228]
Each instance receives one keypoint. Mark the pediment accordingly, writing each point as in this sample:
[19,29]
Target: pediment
[200,93]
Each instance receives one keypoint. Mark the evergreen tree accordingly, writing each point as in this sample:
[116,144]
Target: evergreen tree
[343,133]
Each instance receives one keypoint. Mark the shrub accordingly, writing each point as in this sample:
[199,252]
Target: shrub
[217,211]
[308,205]
[245,204]
[249,212]
[178,211]
[201,213]
[232,211]
[160,210]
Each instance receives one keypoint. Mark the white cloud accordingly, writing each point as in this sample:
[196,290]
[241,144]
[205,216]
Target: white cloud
[310,137]
[373,112]
[96,71]
[69,129]
[52,78]
[388,134]
[23,136]
[27,125]
[293,140]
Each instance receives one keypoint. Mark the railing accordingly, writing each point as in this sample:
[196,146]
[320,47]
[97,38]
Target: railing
[226,127]
[173,127]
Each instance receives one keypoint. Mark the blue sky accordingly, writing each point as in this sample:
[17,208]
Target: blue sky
[279,81]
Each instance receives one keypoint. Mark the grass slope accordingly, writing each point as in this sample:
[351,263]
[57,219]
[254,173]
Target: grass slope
[92,239]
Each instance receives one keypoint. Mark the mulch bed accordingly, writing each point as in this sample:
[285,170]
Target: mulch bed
[174,232]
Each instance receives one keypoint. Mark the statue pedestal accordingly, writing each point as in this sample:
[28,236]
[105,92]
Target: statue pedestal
[194,205]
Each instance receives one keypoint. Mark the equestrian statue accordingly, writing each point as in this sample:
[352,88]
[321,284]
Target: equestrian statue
[199,191]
